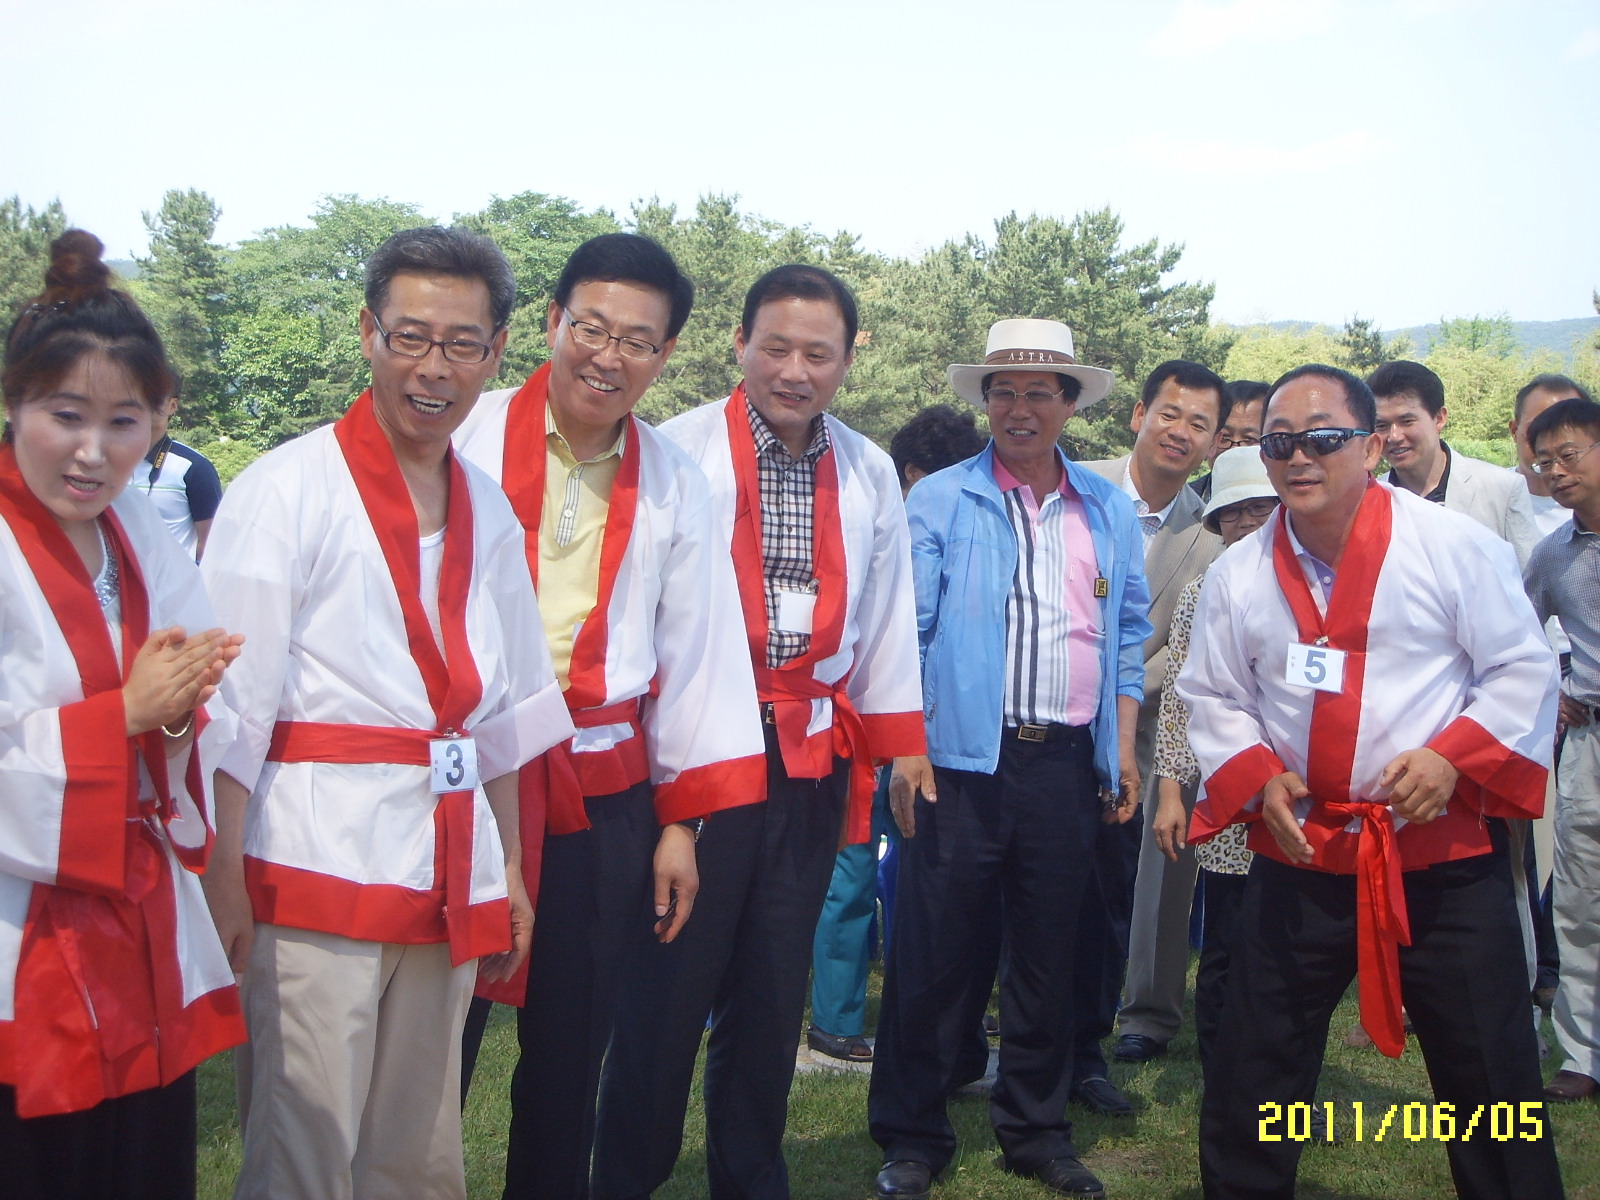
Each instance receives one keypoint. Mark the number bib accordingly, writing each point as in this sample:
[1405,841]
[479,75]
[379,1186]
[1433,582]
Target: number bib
[1318,667]
[796,611]
[453,762]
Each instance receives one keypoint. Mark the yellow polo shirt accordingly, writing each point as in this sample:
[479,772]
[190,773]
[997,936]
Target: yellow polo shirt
[577,499]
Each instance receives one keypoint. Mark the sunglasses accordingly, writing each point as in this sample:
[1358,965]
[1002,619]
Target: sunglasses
[1281,446]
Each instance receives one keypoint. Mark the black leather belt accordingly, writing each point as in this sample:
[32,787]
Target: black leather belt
[1049,731]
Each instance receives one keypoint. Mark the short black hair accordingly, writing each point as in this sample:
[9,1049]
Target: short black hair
[629,258]
[1357,395]
[437,250]
[937,437]
[1404,377]
[799,282]
[1576,412]
[1189,375]
[1248,391]
[1548,382]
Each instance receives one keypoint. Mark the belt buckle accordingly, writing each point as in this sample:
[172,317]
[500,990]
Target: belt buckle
[1032,733]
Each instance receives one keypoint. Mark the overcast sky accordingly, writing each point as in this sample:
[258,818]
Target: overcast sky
[1400,159]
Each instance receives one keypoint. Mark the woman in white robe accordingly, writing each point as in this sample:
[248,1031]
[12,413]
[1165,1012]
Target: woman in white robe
[113,984]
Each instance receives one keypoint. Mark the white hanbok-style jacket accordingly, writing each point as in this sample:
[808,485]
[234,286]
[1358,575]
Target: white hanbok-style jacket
[112,979]
[857,692]
[342,832]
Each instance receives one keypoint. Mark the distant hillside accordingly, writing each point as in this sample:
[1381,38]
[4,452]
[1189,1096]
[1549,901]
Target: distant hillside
[125,268]
[1533,336]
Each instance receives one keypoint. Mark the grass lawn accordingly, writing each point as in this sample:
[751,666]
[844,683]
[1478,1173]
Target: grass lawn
[1148,1157]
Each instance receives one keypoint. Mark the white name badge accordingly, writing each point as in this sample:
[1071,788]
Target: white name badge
[795,611]
[1319,667]
[453,762]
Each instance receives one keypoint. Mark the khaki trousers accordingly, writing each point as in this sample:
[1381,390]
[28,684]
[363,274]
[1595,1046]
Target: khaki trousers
[1577,901]
[350,1085]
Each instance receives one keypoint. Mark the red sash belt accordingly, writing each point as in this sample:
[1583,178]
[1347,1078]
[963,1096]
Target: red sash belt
[571,775]
[790,693]
[322,742]
[1382,924]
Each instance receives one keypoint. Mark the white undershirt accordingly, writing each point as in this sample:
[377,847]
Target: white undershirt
[431,553]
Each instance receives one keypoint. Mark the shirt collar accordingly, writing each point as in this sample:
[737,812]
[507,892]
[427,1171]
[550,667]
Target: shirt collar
[769,445]
[1131,490]
[565,448]
[1006,481]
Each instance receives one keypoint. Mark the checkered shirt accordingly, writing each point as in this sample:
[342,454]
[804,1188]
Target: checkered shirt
[788,491]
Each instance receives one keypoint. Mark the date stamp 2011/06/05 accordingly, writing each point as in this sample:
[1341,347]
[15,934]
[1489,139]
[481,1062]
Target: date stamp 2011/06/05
[1413,1122]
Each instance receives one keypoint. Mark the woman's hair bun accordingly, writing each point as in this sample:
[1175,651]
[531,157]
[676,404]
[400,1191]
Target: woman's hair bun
[76,271]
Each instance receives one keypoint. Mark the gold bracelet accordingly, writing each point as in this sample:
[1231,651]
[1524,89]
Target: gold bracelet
[178,733]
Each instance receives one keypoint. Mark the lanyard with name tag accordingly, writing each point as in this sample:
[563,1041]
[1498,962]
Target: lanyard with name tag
[1320,667]
[453,763]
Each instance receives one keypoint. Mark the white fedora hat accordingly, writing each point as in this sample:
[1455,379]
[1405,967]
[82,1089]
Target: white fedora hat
[1027,344]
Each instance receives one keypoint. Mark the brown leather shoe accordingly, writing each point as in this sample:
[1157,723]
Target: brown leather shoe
[1568,1086]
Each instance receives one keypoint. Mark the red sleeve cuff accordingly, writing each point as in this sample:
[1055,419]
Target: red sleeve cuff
[700,791]
[895,735]
[1513,786]
[1237,782]
[100,795]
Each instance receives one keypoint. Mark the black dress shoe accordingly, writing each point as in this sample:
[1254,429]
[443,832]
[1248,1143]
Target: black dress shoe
[1068,1177]
[1135,1047]
[904,1179]
[1099,1094]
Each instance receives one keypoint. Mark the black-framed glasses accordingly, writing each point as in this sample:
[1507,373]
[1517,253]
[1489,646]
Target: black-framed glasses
[1005,397]
[1227,441]
[1567,458]
[409,344]
[1234,513]
[593,337]
[1281,446]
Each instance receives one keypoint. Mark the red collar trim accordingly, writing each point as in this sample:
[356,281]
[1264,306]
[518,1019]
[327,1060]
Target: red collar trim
[451,678]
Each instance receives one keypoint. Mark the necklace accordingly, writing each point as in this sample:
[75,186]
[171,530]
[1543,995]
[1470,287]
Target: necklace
[107,583]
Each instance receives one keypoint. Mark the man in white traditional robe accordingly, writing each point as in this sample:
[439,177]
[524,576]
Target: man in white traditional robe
[1369,689]
[635,594]
[817,534]
[366,866]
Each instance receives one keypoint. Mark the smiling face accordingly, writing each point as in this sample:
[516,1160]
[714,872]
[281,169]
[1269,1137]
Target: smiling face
[1411,434]
[1577,486]
[419,402]
[77,445]
[1025,431]
[1321,492]
[794,361]
[592,390]
[1175,431]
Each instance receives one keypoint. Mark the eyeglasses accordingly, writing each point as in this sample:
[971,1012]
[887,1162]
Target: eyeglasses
[414,345]
[1567,458]
[1234,513]
[1281,446]
[1006,397]
[1228,441]
[595,338]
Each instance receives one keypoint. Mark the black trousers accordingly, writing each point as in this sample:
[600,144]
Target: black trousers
[1030,827]
[138,1147]
[744,959]
[1466,991]
[595,901]
[1102,935]
[1223,895]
